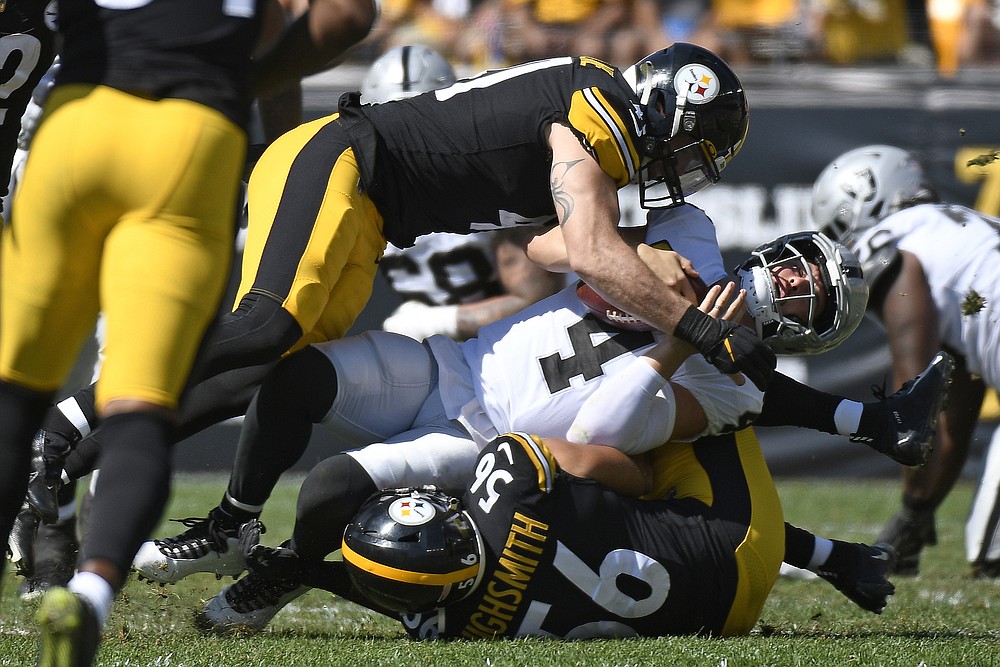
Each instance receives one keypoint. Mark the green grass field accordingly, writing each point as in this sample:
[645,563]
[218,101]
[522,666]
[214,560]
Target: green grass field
[941,617]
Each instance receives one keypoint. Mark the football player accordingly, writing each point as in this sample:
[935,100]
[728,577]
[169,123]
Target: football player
[451,284]
[164,89]
[535,548]
[27,41]
[933,271]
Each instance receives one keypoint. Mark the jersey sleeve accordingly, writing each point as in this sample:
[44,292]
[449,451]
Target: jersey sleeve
[608,128]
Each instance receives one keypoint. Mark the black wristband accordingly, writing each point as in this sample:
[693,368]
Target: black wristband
[693,326]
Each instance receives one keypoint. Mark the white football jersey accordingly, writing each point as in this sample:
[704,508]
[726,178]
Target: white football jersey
[533,370]
[958,250]
[443,269]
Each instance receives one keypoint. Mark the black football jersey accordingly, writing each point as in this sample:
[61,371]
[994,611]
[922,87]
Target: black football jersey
[566,557]
[27,48]
[197,50]
[474,156]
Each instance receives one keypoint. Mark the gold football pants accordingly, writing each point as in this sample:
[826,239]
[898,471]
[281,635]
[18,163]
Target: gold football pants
[127,207]
[314,239]
[729,474]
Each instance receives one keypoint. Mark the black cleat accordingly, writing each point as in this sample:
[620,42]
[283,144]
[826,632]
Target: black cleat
[859,572]
[913,413]
[56,549]
[275,579]
[908,532]
[21,542]
[48,451]
[986,569]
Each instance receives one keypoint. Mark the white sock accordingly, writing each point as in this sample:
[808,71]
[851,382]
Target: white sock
[95,590]
[257,509]
[847,418]
[821,551]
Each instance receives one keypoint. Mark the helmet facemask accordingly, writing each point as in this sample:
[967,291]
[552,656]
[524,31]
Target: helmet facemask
[844,292]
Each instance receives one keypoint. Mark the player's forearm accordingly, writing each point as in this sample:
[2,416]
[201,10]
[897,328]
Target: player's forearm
[617,273]
[313,41]
[472,316]
[629,476]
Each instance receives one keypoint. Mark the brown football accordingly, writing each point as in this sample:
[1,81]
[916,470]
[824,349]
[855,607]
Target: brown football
[603,309]
[617,317]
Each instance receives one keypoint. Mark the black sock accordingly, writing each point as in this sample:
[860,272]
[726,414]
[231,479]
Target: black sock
[132,489]
[788,402]
[873,418]
[232,517]
[799,546]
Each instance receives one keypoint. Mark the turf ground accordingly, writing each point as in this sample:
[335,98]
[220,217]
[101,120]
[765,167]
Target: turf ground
[941,617]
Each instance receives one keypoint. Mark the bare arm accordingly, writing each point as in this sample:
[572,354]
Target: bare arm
[586,202]
[627,475]
[911,322]
[523,281]
[313,40]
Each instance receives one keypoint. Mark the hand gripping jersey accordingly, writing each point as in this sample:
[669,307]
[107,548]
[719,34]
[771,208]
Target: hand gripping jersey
[957,249]
[27,47]
[443,269]
[190,49]
[474,157]
[566,557]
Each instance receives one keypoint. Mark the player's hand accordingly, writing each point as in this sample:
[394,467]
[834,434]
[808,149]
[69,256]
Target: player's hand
[673,269]
[715,301]
[730,347]
[419,321]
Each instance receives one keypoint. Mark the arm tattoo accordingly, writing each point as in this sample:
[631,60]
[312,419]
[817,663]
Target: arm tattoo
[560,197]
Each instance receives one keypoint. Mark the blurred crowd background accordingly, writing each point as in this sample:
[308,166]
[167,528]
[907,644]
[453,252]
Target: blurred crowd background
[942,34]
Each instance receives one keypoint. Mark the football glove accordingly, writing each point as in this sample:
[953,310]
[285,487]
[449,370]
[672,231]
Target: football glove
[730,347]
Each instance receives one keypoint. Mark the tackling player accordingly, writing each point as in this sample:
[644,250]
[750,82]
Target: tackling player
[451,284]
[428,417]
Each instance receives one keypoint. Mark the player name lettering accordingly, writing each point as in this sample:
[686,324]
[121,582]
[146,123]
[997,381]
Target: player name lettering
[504,591]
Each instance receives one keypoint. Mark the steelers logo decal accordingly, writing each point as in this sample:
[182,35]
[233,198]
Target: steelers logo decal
[411,511]
[701,83]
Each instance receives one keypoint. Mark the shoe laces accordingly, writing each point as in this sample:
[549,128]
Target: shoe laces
[261,588]
[209,530]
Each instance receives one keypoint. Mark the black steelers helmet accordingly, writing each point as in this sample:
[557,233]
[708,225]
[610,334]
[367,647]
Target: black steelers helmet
[413,549]
[696,118]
